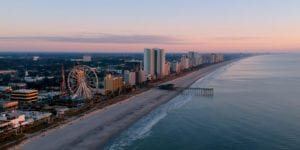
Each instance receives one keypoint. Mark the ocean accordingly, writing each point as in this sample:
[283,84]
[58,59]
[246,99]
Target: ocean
[256,105]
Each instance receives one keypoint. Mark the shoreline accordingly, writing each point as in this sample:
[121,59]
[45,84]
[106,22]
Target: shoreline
[95,129]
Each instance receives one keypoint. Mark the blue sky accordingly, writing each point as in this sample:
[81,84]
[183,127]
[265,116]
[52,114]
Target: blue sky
[218,25]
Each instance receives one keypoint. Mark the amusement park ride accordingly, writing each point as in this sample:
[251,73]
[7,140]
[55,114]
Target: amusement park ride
[82,82]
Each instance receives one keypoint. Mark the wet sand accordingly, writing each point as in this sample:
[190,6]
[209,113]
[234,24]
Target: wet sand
[95,129]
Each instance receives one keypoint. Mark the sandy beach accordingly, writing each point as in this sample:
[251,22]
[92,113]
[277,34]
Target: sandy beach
[95,129]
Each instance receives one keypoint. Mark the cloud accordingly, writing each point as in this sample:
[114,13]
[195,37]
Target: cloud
[238,38]
[101,38]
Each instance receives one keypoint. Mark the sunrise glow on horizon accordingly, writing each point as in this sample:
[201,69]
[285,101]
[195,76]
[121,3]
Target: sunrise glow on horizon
[132,25]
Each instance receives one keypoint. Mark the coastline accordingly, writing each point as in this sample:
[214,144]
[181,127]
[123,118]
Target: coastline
[94,130]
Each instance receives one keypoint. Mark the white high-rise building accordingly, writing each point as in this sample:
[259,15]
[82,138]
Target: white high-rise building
[154,62]
[149,61]
[160,59]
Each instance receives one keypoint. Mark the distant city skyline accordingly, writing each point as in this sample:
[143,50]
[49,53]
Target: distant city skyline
[132,25]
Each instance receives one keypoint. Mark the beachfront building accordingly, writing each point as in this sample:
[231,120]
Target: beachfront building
[3,72]
[167,68]
[184,62]
[216,58]
[25,97]
[213,58]
[149,64]
[112,83]
[36,58]
[129,77]
[12,119]
[206,58]
[154,62]
[195,58]
[15,119]
[175,67]
[160,59]
[220,58]
[141,77]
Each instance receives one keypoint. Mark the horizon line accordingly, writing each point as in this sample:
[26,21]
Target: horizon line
[140,52]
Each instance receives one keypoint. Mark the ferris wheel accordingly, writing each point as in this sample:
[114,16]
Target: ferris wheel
[82,82]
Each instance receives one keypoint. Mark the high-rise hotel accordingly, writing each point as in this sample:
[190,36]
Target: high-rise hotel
[149,61]
[154,62]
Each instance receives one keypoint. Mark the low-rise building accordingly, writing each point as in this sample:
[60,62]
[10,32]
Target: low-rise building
[25,97]
[16,119]
[112,83]
[8,105]
[13,118]
[4,126]
[48,95]
[87,58]
[61,111]
[33,79]
[4,89]
[17,86]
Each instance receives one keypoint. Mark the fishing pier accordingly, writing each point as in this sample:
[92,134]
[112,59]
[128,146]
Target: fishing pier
[194,91]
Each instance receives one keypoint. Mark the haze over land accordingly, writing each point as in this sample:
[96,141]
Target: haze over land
[131,25]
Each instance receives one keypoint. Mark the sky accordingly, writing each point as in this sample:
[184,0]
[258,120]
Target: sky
[132,25]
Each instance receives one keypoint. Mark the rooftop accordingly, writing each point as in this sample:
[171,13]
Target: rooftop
[25,91]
